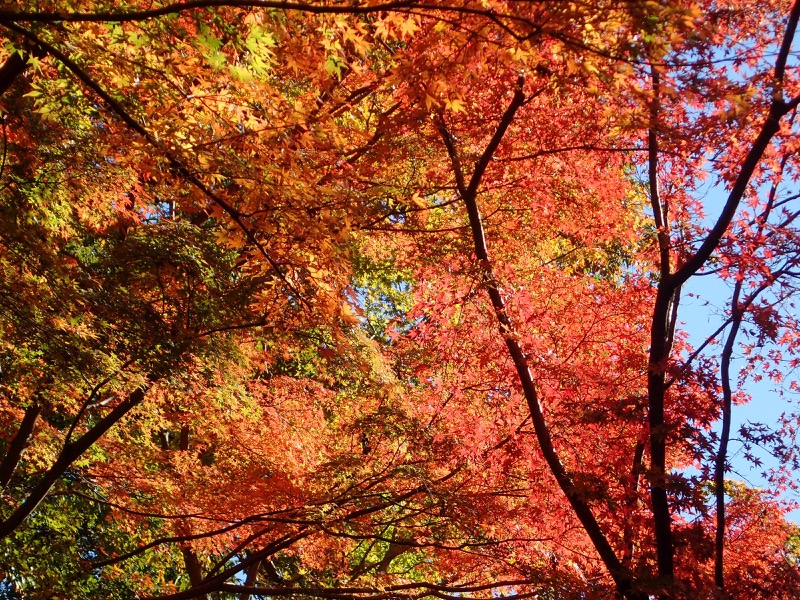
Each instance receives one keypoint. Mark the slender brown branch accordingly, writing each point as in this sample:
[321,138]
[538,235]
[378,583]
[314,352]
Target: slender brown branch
[407,592]
[172,540]
[452,153]
[722,452]
[212,584]
[566,149]
[738,310]
[68,455]
[505,122]
[14,66]
[123,16]
[507,331]
[18,444]
[216,576]
[370,591]
[631,491]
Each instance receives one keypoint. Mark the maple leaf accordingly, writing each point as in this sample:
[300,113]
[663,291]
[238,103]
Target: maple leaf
[408,27]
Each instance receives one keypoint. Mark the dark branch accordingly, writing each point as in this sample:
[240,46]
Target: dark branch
[69,454]
[579,506]
[18,444]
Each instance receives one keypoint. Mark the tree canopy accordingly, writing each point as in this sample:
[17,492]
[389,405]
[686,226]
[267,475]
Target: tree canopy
[381,300]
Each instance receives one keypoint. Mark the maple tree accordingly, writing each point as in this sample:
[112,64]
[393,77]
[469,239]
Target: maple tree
[383,299]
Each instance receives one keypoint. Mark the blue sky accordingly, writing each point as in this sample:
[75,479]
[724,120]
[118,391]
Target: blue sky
[702,311]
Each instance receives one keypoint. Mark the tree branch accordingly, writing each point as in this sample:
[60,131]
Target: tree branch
[69,454]
[722,452]
[14,66]
[18,444]
[8,16]
[506,327]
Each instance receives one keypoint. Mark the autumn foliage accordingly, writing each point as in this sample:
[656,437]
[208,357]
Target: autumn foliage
[387,300]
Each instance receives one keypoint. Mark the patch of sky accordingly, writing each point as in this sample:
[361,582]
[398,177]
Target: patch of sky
[704,310]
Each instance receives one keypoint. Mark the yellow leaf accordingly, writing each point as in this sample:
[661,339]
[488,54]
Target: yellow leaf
[417,201]
[430,101]
[456,105]
[408,27]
